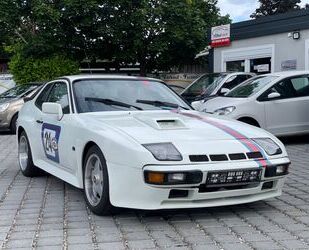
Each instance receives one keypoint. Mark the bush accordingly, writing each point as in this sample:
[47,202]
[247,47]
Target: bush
[27,70]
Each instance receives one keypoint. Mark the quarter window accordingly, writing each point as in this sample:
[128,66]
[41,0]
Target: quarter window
[43,96]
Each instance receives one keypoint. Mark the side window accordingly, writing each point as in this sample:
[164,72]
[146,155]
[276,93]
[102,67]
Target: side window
[59,94]
[301,86]
[284,88]
[43,96]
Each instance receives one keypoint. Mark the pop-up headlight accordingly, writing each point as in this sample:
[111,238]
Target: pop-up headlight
[268,145]
[164,151]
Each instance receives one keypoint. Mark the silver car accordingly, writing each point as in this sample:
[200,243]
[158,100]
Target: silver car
[209,86]
[12,101]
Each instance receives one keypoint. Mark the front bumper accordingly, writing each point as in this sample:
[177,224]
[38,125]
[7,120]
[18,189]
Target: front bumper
[5,120]
[128,188]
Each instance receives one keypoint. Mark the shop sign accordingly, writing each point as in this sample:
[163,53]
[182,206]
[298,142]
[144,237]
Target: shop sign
[262,68]
[289,65]
[220,36]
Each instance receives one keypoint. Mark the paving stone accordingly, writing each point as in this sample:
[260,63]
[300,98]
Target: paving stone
[111,246]
[236,246]
[277,223]
[141,244]
[294,244]
[266,245]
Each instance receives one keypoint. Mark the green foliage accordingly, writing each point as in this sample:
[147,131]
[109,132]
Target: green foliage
[30,69]
[158,34]
[272,7]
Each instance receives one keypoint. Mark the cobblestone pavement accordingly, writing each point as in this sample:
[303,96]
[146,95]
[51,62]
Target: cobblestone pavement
[47,213]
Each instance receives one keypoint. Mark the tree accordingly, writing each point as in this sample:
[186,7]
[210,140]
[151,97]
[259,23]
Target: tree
[157,34]
[272,7]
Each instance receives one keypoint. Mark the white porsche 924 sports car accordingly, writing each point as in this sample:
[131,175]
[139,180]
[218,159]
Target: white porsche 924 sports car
[132,142]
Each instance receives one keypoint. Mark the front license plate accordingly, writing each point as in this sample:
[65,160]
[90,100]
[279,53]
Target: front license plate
[235,177]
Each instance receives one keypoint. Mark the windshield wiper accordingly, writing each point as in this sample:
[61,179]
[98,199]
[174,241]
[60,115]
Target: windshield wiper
[111,102]
[160,104]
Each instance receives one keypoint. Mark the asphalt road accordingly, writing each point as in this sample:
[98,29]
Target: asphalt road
[46,213]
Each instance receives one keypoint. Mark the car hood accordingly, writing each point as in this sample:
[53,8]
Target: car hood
[7,100]
[216,103]
[168,126]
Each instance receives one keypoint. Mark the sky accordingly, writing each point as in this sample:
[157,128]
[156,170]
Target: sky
[240,10]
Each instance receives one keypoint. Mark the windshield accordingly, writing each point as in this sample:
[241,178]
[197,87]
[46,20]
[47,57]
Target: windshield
[117,95]
[201,84]
[251,86]
[208,91]
[18,91]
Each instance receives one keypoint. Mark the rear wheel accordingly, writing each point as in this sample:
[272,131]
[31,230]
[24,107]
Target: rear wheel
[96,184]
[25,157]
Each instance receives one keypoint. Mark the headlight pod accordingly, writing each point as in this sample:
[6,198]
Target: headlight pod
[268,145]
[4,107]
[224,111]
[164,151]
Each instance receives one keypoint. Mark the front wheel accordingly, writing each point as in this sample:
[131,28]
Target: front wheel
[13,124]
[96,184]
[25,158]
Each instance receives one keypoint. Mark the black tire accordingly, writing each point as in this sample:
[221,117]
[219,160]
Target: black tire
[104,206]
[29,169]
[13,124]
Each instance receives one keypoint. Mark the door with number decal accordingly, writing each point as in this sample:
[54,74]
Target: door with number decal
[54,136]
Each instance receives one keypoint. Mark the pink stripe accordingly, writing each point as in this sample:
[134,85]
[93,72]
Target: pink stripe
[244,140]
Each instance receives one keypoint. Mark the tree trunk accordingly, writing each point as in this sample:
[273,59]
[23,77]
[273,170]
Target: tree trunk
[143,67]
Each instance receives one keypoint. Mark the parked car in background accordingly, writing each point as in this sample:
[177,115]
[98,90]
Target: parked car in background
[177,88]
[132,142]
[6,82]
[211,85]
[277,102]
[12,101]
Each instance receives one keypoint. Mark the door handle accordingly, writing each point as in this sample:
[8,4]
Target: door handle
[39,121]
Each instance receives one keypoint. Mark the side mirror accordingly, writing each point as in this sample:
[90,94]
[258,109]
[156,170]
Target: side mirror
[273,95]
[51,108]
[224,91]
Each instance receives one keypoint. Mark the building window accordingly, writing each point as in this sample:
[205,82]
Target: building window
[235,66]
[260,65]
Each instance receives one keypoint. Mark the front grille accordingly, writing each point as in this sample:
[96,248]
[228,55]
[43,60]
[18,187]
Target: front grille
[235,157]
[218,157]
[198,158]
[254,155]
[224,157]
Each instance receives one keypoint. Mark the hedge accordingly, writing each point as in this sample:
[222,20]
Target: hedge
[27,70]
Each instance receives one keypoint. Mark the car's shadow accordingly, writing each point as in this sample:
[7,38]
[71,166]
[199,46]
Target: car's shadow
[5,132]
[300,139]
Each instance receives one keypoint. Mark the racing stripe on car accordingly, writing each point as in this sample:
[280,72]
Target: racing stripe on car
[249,144]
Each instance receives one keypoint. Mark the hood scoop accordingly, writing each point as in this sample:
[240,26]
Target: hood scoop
[163,123]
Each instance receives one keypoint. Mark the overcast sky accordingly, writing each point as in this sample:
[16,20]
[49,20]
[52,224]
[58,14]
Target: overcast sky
[240,10]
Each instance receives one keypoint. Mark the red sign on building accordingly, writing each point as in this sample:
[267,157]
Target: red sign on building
[220,36]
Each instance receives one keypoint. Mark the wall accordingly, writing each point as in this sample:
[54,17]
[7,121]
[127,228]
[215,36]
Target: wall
[285,48]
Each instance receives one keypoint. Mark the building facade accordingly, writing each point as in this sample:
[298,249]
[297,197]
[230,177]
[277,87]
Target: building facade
[264,45]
